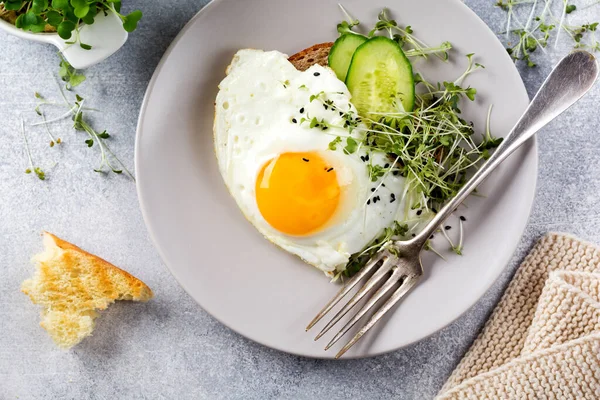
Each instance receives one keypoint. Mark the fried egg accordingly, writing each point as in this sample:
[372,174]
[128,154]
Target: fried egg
[276,131]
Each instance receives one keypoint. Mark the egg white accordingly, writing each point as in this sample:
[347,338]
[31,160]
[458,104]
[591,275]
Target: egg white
[254,109]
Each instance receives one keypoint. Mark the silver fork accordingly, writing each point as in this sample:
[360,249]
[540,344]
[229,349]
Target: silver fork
[399,265]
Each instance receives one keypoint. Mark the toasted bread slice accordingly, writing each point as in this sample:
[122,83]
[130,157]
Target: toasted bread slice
[317,54]
[72,284]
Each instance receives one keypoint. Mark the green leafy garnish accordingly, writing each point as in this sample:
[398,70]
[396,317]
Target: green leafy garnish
[357,261]
[70,75]
[524,38]
[108,160]
[65,17]
[413,47]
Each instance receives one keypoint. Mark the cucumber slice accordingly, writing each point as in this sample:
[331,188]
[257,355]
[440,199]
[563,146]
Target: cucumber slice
[341,53]
[379,73]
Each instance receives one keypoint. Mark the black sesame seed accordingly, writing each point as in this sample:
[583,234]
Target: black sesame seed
[414,235]
[419,212]
[431,237]
[325,128]
[392,200]
[462,218]
[317,74]
[372,189]
[434,210]
[305,159]
[330,169]
[383,184]
[367,157]
[341,113]
[377,198]
[294,120]
[386,166]
[368,202]
[393,196]
[302,110]
[325,106]
[447,227]
[363,158]
[395,173]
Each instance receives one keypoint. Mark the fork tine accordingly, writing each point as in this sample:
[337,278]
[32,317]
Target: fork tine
[408,284]
[387,286]
[344,291]
[367,287]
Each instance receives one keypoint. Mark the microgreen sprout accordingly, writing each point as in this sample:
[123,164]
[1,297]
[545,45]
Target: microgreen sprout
[333,144]
[445,235]
[53,141]
[525,38]
[76,112]
[69,75]
[459,247]
[32,168]
[345,27]
[81,124]
[429,247]
[358,260]
[413,47]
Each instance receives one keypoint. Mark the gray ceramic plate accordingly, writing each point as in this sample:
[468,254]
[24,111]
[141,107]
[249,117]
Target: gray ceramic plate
[224,263]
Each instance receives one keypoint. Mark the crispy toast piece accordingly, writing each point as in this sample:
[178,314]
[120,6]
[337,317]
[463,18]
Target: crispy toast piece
[72,284]
[317,54]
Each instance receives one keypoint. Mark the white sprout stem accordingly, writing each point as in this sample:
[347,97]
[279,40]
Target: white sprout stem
[460,237]
[488,132]
[437,253]
[443,230]
[562,21]
[65,115]
[346,14]
[508,20]
[47,128]
[27,149]
[530,19]
[62,93]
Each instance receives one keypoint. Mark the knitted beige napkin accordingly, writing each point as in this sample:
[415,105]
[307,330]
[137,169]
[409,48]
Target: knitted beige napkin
[543,338]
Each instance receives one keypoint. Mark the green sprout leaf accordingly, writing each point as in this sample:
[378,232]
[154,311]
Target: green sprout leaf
[333,144]
[54,18]
[60,5]
[65,29]
[131,20]
[351,146]
[13,5]
[39,6]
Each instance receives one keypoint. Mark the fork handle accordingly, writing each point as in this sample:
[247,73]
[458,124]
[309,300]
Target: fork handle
[574,75]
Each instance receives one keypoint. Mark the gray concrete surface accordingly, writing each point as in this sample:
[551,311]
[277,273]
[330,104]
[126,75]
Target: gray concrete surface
[170,348]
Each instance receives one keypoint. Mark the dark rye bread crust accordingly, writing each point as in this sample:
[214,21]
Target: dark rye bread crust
[317,54]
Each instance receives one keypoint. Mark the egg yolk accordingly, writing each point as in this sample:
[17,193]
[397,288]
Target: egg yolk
[297,193]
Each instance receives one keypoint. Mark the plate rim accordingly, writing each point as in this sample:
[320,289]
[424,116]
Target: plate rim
[506,259]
